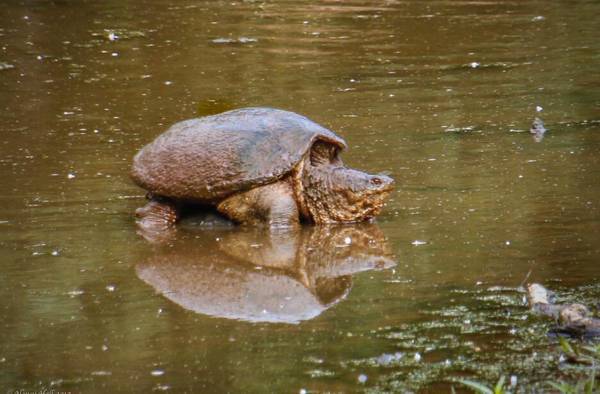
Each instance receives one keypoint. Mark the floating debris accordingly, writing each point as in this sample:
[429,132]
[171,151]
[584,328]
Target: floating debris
[418,242]
[101,373]
[5,66]
[157,372]
[537,129]
[239,40]
[118,34]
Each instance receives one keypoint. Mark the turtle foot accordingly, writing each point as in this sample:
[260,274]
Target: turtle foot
[157,216]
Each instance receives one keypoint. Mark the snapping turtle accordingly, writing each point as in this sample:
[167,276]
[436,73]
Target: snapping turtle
[256,165]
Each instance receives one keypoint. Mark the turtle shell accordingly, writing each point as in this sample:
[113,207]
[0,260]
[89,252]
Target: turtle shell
[206,159]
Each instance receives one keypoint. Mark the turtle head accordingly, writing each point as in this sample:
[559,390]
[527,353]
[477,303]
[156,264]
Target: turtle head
[334,193]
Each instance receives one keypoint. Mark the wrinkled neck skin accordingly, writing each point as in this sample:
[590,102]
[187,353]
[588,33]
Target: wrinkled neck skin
[332,193]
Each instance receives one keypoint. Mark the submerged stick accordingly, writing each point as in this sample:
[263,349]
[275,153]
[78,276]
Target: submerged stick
[574,319]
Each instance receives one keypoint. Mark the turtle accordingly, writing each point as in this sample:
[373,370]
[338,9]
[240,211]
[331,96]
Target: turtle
[257,166]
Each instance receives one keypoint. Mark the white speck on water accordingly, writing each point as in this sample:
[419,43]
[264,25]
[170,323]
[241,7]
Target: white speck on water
[112,36]
[114,54]
[168,83]
[538,108]
[26,17]
[68,113]
[101,373]
[512,331]
[417,357]
[513,380]
[347,240]
[75,292]
[507,243]
[111,287]
[303,391]
[55,253]
[104,348]
[362,378]
[478,283]
[538,18]
[448,362]
[520,176]
[467,321]
[39,57]
[474,64]
[417,242]
[157,372]
[3,359]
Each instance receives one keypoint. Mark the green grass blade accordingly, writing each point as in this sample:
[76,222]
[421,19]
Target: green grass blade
[476,386]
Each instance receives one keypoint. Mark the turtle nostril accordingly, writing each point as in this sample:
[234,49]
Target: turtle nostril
[376,181]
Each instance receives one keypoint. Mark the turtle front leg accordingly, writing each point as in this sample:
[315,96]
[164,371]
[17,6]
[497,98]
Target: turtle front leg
[273,205]
[157,215]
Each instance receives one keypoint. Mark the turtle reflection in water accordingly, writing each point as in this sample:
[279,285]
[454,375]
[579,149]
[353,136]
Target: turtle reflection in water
[266,276]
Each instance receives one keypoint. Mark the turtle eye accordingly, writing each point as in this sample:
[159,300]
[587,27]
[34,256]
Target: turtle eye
[376,181]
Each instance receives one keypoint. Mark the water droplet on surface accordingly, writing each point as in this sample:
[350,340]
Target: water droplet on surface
[111,288]
[474,64]
[70,175]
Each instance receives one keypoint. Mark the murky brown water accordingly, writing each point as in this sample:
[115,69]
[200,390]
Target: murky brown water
[440,93]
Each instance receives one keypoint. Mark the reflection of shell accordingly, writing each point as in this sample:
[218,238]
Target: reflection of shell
[232,292]
[304,272]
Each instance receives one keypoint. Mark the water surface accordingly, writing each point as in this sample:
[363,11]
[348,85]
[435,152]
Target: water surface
[440,94]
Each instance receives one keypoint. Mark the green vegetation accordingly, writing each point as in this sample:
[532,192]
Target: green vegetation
[483,389]
[587,355]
